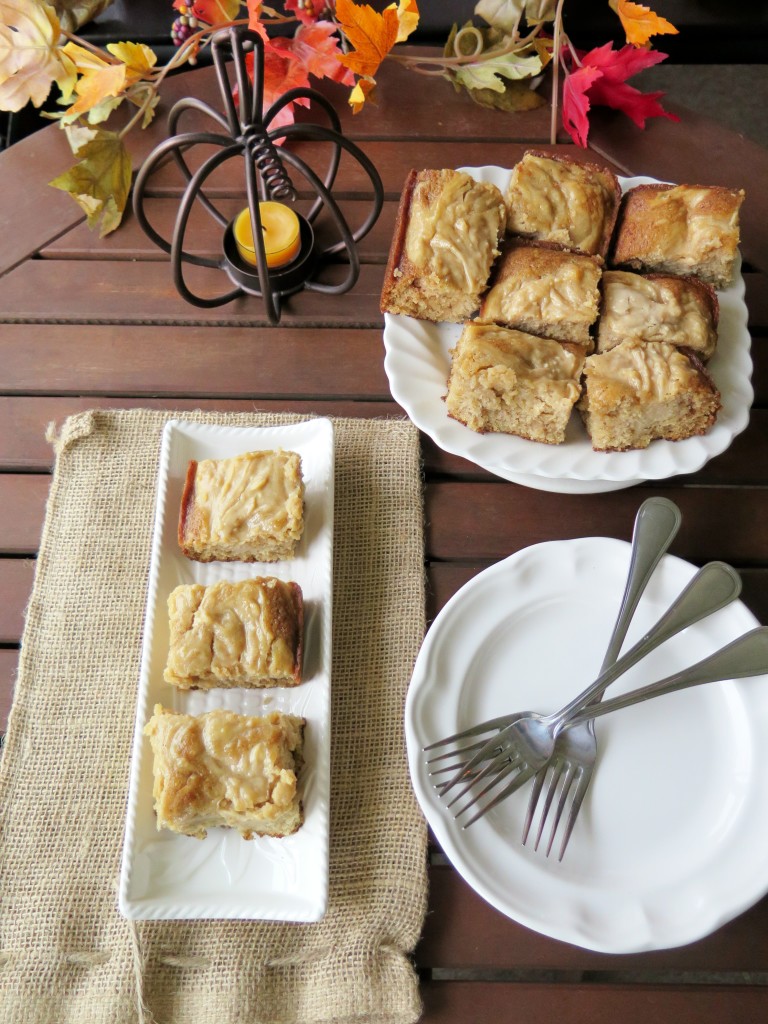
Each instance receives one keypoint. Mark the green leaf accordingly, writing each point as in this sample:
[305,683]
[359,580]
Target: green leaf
[101,180]
[485,74]
[516,97]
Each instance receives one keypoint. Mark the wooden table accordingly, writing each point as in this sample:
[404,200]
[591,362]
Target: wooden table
[88,323]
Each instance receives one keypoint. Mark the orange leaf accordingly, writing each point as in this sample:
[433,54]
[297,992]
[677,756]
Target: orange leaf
[363,91]
[371,34]
[640,23]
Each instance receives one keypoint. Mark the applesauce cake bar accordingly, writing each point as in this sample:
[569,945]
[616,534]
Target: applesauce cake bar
[446,238]
[558,199]
[249,508]
[223,769]
[640,391]
[510,382]
[248,633]
[544,290]
[679,229]
[682,311]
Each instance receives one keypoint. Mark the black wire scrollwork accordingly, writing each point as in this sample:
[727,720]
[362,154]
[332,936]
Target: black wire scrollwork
[245,132]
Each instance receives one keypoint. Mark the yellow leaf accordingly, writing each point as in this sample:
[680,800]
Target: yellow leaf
[96,86]
[372,35]
[363,91]
[138,58]
[407,18]
[100,182]
[640,23]
[30,60]
[83,59]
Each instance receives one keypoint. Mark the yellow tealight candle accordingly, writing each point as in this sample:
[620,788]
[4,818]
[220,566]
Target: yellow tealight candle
[280,228]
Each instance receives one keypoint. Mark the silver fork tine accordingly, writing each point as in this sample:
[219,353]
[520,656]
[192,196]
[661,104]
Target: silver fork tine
[559,770]
[497,778]
[500,767]
[578,797]
[569,775]
[520,780]
[493,723]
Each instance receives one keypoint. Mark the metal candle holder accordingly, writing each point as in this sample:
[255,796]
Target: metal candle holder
[249,136]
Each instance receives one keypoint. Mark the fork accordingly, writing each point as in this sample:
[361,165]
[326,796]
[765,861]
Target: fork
[573,761]
[526,743]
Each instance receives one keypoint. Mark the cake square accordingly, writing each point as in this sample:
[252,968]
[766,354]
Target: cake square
[510,382]
[223,769]
[682,311]
[248,634]
[249,508]
[680,229]
[445,241]
[558,199]
[544,290]
[640,391]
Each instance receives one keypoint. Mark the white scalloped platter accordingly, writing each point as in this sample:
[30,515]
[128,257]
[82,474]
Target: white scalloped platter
[170,876]
[417,363]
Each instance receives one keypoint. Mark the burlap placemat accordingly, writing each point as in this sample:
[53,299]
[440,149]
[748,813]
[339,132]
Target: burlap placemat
[66,954]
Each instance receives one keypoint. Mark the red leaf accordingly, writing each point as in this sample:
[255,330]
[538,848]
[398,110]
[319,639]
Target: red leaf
[576,102]
[608,88]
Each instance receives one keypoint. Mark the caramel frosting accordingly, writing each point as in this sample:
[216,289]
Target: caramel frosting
[652,372]
[449,229]
[560,201]
[222,768]
[234,634]
[654,309]
[529,357]
[252,493]
[544,285]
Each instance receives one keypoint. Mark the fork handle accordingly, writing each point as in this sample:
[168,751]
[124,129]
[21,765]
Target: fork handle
[746,656]
[713,587]
[656,525]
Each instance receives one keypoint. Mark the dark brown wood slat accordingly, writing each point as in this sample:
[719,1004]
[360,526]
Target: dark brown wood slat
[487,939]
[730,524]
[460,1002]
[22,498]
[24,421]
[130,293]
[16,577]
[392,161]
[228,361]
[204,234]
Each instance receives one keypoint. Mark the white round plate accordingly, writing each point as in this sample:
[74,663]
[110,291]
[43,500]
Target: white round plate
[672,837]
[417,363]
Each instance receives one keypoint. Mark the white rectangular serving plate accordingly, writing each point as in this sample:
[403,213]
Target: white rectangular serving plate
[170,876]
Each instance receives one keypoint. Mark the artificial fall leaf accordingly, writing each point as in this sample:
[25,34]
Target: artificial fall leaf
[516,97]
[100,182]
[372,35]
[608,87]
[316,48]
[505,15]
[211,12]
[489,74]
[363,91]
[138,58]
[407,18]
[576,102]
[640,23]
[94,87]
[30,59]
